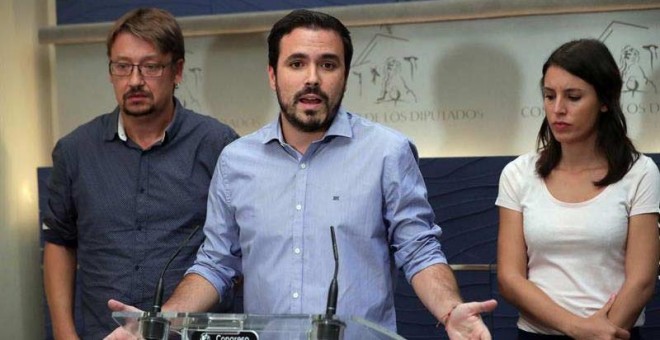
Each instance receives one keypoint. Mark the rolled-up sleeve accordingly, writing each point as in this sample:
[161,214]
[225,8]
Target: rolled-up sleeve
[414,237]
[219,258]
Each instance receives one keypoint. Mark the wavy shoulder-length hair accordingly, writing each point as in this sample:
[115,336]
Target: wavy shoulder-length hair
[591,61]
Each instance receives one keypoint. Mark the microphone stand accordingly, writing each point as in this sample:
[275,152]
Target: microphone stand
[327,327]
[153,326]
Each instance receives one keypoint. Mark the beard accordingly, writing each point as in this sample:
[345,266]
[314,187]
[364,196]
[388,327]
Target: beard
[316,122]
[138,112]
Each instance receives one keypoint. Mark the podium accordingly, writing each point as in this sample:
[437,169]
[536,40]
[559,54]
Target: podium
[211,326]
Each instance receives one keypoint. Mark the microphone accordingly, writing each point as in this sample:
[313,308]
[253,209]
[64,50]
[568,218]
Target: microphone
[154,327]
[327,327]
[333,291]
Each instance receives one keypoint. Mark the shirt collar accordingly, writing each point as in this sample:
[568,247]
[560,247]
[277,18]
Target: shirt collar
[117,130]
[340,126]
[121,132]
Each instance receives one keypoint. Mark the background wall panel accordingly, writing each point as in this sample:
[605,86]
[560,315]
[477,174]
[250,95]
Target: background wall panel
[82,11]
[458,88]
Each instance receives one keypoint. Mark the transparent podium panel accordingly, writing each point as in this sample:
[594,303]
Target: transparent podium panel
[209,326]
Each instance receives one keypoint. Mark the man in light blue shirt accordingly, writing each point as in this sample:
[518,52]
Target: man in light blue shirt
[276,192]
[271,208]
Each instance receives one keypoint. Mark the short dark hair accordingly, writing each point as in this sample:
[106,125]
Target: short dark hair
[308,19]
[591,61]
[154,25]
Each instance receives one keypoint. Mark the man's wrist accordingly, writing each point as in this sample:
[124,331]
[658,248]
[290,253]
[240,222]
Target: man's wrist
[445,318]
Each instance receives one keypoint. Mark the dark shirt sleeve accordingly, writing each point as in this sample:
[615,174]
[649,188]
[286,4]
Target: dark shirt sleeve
[218,139]
[227,135]
[60,215]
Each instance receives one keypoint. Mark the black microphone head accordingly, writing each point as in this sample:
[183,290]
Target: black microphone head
[328,329]
[153,327]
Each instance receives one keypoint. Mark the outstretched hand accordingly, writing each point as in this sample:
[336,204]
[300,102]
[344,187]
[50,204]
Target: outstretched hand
[121,333]
[117,306]
[464,322]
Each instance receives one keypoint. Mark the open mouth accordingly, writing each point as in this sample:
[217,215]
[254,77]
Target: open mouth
[310,100]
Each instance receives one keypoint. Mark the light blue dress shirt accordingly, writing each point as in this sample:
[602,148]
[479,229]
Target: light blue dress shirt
[270,210]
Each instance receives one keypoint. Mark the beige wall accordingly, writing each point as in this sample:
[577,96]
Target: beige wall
[474,87]
[25,143]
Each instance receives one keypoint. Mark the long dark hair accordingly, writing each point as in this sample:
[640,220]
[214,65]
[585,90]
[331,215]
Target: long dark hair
[591,61]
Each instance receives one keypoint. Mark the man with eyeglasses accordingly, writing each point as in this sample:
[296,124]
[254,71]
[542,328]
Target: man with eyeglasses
[129,186]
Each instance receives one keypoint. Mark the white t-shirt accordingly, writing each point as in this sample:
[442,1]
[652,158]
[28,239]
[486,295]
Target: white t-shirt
[576,251]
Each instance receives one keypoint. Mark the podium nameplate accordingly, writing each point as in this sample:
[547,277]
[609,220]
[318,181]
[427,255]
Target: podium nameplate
[210,335]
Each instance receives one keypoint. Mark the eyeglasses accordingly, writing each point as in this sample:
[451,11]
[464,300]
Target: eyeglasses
[121,69]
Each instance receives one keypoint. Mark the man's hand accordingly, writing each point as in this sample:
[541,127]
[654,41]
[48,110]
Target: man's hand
[122,333]
[464,321]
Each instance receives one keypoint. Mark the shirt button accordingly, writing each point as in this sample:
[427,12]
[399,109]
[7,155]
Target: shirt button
[295,295]
[298,206]
[141,190]
[297,250]
[137,267]
[303,166]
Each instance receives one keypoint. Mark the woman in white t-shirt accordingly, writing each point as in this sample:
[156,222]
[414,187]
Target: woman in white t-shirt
[578,236]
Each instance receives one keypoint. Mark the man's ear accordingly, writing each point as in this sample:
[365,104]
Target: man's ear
[178,71]
[272,78]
